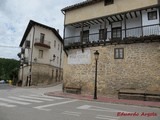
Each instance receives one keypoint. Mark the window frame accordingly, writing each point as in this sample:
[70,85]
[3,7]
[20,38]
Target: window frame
[42,37]
[117,28]
[119,53]
[55,43]
[151,15]
[85,37]
[40,55]
[102,34]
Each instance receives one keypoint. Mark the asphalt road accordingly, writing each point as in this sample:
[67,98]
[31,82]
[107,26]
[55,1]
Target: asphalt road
[31,104]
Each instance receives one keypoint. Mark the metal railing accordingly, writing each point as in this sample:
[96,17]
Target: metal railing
[135,32]
[45,42]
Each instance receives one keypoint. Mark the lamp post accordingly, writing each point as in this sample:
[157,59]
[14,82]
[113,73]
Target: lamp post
[96,54]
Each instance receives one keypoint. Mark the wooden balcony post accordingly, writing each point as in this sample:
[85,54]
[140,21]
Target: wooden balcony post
[125,25]
[81,34]
[141,23]
[105,31]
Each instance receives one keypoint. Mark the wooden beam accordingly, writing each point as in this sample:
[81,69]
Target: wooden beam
[135,13]
[117,18]
[130,14]
[112,19]
[108,20]
[90,22]
[126,16]
[99,21]
[121,16]
[95,22]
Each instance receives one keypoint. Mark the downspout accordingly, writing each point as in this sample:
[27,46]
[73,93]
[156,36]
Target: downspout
[30,81]
[63,12]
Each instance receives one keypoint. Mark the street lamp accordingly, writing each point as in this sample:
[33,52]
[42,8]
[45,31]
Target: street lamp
[96,54]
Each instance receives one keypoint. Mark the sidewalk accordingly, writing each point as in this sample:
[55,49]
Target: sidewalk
[104,99]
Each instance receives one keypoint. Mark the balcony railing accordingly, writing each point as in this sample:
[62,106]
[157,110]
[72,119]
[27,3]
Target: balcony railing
[136,33]
[42,43]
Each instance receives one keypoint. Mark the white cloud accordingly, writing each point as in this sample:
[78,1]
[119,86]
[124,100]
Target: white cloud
[15,15]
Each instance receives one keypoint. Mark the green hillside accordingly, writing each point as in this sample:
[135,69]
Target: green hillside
[9,69]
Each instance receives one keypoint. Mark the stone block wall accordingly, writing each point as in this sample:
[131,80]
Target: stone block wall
[140,69]
[43,74]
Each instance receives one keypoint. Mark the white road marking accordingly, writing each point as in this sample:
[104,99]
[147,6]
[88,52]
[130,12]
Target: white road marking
[71,114]
[7,105]
[14,101]
[54,104]
[32,97]
[25,99]
[104,117]
[51,97]
[96,108]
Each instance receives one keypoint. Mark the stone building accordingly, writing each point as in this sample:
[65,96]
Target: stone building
[41,55]
[127,37]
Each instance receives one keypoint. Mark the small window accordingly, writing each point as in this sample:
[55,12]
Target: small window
[152,15]
[27,44]
[58,46]
[57,60]
[85,37]
[42,38]
[102,34]
[55,43]
[108,2]
[40,54]
[118,53]
[116,33]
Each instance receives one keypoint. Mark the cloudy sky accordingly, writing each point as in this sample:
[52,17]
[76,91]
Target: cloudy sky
[15,15]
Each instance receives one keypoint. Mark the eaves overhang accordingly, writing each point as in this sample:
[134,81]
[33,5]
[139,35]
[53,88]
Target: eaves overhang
[33,23]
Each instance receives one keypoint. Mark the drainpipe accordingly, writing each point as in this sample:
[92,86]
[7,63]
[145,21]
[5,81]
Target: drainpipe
[30,80]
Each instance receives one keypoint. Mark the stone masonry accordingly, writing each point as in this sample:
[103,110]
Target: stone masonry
[140,69]
[43,74]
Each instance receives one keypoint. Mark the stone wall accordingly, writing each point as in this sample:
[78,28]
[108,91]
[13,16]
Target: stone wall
[43,74]
[140,69]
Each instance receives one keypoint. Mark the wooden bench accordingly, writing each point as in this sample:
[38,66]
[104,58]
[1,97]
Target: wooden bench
[138,94]
[69,89]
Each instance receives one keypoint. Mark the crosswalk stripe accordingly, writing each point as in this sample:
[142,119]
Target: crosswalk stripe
[44,96]
[14,101]
[32,97]
[7,105]
[25,99]
[107,117]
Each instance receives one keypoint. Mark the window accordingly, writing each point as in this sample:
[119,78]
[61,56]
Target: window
[54,43]
[108,2]
[85,36]
[52,74]
[118,53]
[27,44]
[152,15]
[57,60]
[58,46]
[42,38]
[102,34]
[40,54]
[116,33]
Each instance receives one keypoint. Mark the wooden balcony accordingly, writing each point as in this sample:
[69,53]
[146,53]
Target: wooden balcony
[150,33]
[42,43]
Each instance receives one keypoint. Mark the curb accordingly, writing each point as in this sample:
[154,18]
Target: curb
[105,100]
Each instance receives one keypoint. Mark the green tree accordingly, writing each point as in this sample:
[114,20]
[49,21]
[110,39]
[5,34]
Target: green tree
[9,69]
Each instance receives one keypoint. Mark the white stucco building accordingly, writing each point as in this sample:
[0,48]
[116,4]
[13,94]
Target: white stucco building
[41,55]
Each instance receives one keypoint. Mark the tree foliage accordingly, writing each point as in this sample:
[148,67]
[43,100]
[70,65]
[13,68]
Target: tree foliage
[8,69]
